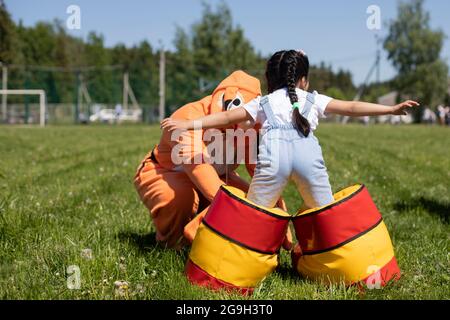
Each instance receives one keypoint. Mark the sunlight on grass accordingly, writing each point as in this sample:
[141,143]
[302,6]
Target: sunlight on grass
[67,198]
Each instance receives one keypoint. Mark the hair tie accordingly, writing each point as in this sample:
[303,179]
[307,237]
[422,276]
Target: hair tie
[296,105]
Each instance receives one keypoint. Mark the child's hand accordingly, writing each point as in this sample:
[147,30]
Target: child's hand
[401,109]
[172,124]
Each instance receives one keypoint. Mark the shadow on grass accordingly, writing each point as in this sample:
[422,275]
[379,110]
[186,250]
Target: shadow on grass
[287,272]
[434,207]
[142,242]
[146,243]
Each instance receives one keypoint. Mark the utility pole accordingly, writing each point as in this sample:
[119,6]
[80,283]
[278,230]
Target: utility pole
[77,98]
[162,84]
[378,65]
[80,93]
[378,58]
[375,68]
[125,90]
[4,87]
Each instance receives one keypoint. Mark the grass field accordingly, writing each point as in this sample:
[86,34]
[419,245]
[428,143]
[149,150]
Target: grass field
[65,189]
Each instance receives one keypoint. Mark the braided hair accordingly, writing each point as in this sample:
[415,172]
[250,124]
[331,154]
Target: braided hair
[284,70]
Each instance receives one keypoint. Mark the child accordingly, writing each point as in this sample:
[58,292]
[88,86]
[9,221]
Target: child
[289,115]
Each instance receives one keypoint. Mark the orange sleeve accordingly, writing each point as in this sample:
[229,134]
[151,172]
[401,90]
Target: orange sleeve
[203,175]
[205,178]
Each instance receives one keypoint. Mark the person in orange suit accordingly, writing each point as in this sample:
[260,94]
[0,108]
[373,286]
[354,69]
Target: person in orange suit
[175,194]
[178,196]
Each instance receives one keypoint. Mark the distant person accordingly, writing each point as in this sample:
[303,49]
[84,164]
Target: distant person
[289,115]
[395,120]
[441,114]
[447,115]
[97,108]
[83,118]
[429,117]
[118,111]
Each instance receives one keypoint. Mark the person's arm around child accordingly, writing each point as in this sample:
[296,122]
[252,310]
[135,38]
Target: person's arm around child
[238,115]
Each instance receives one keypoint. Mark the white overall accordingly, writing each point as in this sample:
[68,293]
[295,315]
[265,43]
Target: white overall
[284,154]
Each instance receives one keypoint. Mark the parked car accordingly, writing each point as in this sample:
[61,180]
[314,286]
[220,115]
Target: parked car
[104,116]
[111,116]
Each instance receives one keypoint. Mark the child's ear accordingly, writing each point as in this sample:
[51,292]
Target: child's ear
[304,83]
[307,85]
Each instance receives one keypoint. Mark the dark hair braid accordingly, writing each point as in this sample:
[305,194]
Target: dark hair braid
[285,69]
[273,72]
[293,74]
[290,75]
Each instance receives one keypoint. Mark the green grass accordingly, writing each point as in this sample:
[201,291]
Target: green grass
[64,189]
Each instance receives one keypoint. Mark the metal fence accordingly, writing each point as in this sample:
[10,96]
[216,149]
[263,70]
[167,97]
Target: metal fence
[65,113]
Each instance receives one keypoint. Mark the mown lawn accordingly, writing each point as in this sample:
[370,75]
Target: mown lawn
[66,189]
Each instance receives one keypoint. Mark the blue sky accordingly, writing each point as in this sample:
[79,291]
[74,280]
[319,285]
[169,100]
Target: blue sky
[328,30]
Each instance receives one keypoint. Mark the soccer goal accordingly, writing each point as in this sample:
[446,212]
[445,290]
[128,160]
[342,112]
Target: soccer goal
[34,92]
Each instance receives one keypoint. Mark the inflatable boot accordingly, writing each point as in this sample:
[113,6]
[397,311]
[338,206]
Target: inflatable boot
[237,243]
[345,241]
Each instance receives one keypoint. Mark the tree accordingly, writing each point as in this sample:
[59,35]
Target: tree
[415,49]
[182,74]
[336,93]
[144,72]
[374,91]
[46,57]
[323,78]
[9,45]
[103,85]
[209,41]
[212,49]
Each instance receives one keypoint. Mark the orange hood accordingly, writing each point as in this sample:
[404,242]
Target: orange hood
[239,87]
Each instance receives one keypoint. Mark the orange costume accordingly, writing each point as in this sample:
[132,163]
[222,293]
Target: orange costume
[173,193]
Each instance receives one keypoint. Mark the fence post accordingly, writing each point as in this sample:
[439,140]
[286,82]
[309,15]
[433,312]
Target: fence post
[77,99]
[162,85]
[4,96]
[27,106]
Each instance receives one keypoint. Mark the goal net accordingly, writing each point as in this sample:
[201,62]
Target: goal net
[24,92]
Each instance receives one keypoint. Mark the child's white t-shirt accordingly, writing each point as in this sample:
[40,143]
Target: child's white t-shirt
[282,108]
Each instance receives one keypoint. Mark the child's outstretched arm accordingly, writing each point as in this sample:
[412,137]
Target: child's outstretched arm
[217,120]
[361,109]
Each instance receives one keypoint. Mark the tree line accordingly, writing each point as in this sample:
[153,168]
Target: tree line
[45,56]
